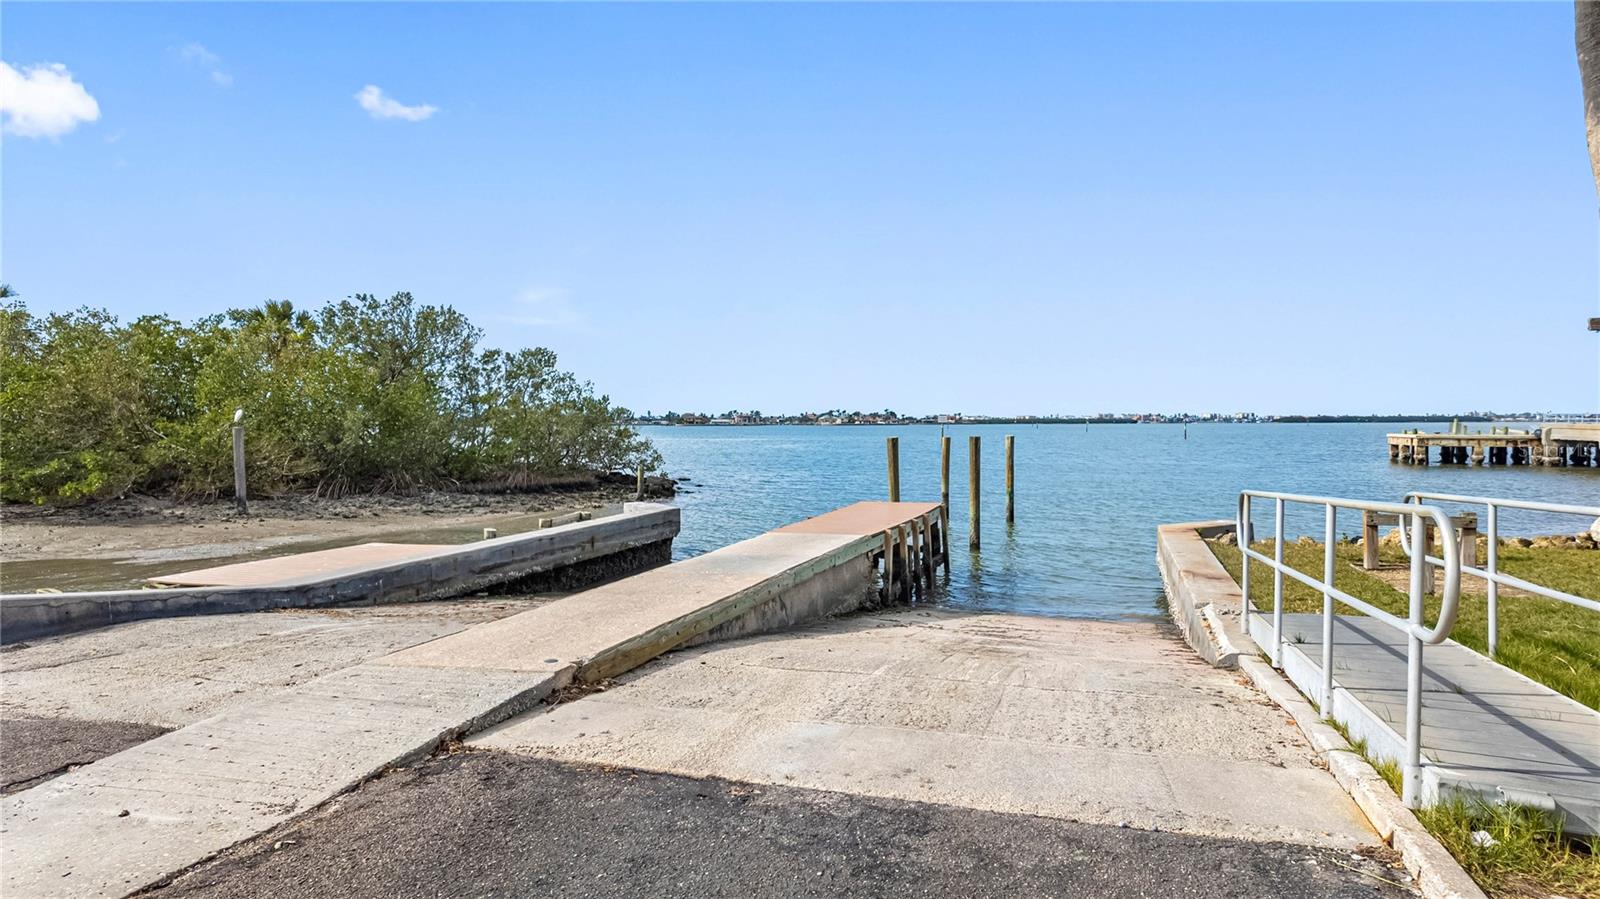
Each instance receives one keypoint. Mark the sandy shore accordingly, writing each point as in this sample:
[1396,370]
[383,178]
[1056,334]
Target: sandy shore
[119,542]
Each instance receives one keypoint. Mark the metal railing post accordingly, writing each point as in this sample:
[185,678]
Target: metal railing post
[1242,534]
[1330,518]
[1492,566]
[1411,768]
[1277,586]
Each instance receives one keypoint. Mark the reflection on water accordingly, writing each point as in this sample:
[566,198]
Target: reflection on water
[1088,498]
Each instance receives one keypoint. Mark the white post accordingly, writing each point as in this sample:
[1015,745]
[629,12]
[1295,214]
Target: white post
[1277,587]
[240,500]
[1242,537]
[1492,566]
[1411,768]
[1329,519]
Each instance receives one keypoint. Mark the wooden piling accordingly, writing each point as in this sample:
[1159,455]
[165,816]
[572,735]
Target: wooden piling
[888,565]
[941,541]
[1468,544]
[926,545]
[638,492]
[974,450]
[903,563]
[918,544]
[1369,540]
[1011,480]
[944,475]
[894,469]
[1427,550]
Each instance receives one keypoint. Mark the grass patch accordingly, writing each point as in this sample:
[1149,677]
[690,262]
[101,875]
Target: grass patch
[1525,855]
[1513,852]
[1388,769]
[1552,642]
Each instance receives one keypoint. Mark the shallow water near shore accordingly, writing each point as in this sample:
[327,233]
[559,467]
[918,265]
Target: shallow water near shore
[1089,498]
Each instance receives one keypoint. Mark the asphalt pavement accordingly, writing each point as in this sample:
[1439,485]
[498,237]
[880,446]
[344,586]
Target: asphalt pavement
[479,823]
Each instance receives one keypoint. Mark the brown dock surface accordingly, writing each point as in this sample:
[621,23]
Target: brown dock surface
[861,519]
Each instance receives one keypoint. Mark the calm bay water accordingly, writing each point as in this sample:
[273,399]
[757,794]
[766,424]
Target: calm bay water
[1088,499]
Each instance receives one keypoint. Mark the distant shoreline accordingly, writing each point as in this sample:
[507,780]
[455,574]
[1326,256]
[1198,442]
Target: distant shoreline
[1281,419]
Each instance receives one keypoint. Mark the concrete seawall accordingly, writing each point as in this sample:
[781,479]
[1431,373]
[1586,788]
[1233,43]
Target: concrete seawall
[1195,580]
[569,554]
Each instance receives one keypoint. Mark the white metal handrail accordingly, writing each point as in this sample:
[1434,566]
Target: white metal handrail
[1417,632]
[1491,572]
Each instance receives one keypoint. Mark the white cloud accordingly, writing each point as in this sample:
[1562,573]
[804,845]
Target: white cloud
[379,106]
[43,101]
[544,307]
[197,55]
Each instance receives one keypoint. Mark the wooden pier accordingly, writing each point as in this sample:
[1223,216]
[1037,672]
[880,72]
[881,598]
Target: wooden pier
[1556,445]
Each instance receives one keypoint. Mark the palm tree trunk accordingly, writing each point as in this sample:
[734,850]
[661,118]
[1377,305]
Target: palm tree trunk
[1588,29]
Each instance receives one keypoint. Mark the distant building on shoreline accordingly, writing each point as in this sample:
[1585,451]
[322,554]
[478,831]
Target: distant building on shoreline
[734,418]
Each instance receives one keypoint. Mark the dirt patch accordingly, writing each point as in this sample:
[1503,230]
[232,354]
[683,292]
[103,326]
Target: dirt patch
[37,749]
[1399,577]
[118,543]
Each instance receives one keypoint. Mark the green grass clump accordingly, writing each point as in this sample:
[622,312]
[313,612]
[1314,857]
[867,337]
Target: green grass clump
[1387,768]
[1526,855]
[1552,642]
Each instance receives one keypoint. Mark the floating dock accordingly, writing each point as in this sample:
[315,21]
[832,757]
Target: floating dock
[1555,445]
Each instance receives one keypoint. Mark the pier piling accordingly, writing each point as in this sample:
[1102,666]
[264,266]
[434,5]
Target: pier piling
[1369,541]
[925,524]
[1011,481]
[1498,446]
[944,475]
[893,444]
[888,564]
[908,575]
[974,450]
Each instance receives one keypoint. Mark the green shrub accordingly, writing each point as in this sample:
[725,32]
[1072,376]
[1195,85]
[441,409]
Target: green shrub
[364,394]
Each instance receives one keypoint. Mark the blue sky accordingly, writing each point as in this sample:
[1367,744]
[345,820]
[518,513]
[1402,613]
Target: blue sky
[1003,209]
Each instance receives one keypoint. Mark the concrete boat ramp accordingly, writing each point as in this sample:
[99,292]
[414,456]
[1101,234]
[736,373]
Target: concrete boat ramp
[1089,724]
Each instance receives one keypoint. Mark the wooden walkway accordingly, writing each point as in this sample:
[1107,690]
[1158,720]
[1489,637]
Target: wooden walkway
[1486,730]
